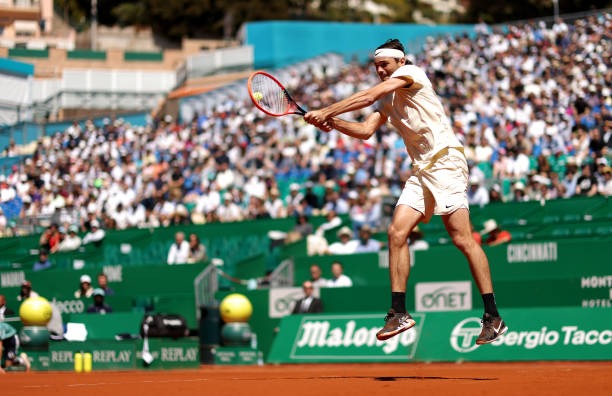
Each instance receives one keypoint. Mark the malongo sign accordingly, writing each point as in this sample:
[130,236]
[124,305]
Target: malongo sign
[534,334]
[342,338]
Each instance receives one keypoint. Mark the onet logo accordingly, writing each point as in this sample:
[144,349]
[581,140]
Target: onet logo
[464,334]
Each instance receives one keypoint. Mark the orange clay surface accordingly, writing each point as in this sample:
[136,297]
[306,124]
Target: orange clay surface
[492,379]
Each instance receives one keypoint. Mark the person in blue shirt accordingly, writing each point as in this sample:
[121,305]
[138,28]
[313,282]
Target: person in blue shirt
[43,262]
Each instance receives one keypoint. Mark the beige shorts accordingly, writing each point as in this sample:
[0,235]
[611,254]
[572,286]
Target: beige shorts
[440,188]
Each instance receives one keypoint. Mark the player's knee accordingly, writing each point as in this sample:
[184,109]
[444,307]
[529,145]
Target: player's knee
[464,243]
[397,236]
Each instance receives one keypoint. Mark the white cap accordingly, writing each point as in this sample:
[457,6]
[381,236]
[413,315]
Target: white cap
[489,226]
[85,278]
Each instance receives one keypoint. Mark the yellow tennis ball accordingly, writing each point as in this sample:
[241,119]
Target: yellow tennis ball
[235,307]
[257,95]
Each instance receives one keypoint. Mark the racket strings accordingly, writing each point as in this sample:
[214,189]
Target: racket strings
[269,94]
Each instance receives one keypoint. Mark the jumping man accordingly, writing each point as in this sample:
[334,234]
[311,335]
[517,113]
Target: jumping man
[406,98]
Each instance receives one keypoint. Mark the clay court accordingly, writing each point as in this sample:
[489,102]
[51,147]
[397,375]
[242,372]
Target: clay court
[539,378]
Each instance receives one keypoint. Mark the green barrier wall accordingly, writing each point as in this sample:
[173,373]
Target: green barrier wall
[534,334]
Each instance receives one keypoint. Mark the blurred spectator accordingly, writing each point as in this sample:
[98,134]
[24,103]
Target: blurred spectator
[477,193]
[332,220]
[99,306]
[4,310]
[301,230]
[43,262]
[50,238]
[9,348]
[85,289]
[96,235]
[103,284]
[309,303]
[365,242]
[605,188]
[179,250]
[586,184]
[197,251]
[345,245]
[26,291]
[71,242]
[338,278]
[315,276]
[228,211]
[493,234]
[416,241]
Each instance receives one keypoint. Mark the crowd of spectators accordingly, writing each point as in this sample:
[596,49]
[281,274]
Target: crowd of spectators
[531,104]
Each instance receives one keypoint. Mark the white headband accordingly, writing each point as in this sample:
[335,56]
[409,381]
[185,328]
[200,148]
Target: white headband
[389,53]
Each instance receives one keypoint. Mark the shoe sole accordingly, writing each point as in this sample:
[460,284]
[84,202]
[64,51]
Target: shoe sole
[502,331]
[385,336]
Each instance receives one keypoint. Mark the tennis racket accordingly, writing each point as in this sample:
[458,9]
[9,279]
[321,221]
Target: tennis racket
[270,96]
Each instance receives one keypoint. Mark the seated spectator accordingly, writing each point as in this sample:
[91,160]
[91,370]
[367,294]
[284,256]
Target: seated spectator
[332,220]
[493,234]
[606,186]
[338,278]
[197,251]
[586,185]
[85,289]
[315,276]
[179,250]
[416,241]
[43,262]
[99,306]
[26,291]
[345,245]
[477,193]
[103,284]
[309,303]
[50,238]
[365,243]
[4,310]
[96,235]
[9,348]
[71,242]
[301,230]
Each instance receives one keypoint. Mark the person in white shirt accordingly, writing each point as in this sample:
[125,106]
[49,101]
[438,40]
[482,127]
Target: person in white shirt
[71,242]
[96,235]
[345,245]
[179,251]
[338,278]
[477,194]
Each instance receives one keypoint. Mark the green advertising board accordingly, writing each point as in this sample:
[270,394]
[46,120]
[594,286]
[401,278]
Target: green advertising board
[534,334]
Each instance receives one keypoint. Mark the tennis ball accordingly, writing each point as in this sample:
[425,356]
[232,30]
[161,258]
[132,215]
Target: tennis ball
[35,311]
[235,307]
[257,95]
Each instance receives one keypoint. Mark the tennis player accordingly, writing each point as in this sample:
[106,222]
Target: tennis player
[438,186]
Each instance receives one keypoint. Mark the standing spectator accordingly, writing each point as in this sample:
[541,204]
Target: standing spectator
[43,262]
[179,251]
[26,291]
[103,284]
[72,241]
[96,235]
[4,310]
[309,303]
[365,243]
[85,290]
[197,251]
[99,306]
[338,278]
[315,276]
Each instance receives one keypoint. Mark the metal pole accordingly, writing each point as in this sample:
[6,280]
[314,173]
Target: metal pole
[556,9]
[94,24]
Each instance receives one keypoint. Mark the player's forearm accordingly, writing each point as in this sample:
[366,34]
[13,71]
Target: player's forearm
[357,130]
[356,101]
